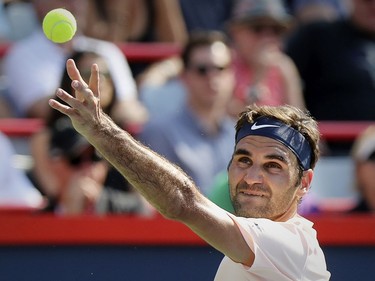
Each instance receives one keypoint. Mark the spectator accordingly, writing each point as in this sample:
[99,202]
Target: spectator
[39,64]
[198,136]
[337,65]
[15,188]
[363,155]
[80,174]
[46,180]
[141,21]
[264,74]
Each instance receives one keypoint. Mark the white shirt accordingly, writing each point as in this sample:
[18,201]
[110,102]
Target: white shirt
[34,68]
[283,251]
[15,188]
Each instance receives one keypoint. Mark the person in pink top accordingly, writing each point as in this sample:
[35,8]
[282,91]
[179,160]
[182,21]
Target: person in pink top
[271,169]
[264,74]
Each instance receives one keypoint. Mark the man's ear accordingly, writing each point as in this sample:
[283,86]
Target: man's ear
[306,182]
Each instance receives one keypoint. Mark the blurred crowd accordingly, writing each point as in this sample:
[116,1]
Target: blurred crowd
[318,55]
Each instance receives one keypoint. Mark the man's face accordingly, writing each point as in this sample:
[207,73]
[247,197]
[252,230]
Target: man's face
[253,40]
[263,178]
[209,76]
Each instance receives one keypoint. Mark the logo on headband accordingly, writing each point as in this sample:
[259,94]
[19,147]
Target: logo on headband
[256,127]
[277,130]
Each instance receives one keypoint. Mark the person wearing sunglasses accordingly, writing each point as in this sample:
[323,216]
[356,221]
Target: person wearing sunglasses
[264,74]
[197,134]
[80,173]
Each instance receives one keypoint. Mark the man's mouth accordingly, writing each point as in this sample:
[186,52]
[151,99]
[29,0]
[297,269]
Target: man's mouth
[252,193]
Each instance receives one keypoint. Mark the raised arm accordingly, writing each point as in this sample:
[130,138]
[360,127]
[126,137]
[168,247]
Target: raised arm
[163,184]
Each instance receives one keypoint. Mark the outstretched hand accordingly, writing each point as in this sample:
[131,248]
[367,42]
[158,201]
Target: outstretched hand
[84,109]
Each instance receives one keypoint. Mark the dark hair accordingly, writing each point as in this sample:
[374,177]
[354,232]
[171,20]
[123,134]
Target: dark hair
[65,83]
[201,38]
[298,119]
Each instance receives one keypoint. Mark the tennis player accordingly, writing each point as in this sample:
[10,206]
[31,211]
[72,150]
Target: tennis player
[270,171]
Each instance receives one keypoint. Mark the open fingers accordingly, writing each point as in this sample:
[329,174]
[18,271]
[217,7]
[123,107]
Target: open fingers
[94,80]
[60,107]
[75,75]
[73,71]
[72,103]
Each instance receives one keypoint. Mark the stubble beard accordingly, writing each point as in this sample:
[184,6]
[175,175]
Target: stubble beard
[272,207]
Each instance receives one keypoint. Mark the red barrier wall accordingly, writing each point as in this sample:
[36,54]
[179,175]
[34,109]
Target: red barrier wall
[46,229]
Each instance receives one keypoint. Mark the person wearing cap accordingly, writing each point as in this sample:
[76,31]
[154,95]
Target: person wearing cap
[264,74]
[363,155]
[271,169]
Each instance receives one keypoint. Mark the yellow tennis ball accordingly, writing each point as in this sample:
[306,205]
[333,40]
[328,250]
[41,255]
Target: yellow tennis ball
[59,25]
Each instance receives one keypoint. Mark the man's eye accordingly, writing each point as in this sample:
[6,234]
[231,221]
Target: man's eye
[273,165]
[244,160]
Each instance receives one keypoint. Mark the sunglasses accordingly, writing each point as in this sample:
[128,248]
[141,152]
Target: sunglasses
[270,28]
[88,156]
[204,70]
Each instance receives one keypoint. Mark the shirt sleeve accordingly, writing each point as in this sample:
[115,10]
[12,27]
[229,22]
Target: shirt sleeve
[277,246]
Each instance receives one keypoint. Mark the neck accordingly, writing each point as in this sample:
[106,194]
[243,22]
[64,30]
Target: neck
[210,121]
[210,117]
[289,213]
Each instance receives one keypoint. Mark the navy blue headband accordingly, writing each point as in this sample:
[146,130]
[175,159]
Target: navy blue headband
[275,129]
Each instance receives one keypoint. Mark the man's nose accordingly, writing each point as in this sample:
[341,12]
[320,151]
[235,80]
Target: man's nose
[254,175]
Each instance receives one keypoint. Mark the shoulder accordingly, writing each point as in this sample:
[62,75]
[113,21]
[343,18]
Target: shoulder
[275,243]
[268,232]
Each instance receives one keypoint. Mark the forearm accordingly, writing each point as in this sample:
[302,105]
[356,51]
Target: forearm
[163,184]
